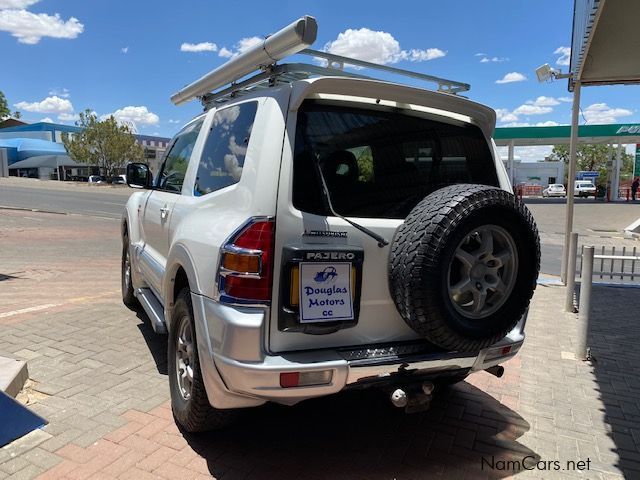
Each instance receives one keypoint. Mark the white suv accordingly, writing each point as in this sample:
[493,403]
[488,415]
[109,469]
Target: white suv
[326,233]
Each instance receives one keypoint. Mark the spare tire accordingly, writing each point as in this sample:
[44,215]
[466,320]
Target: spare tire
[464,266]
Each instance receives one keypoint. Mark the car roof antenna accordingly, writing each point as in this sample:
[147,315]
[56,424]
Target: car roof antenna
[382,242]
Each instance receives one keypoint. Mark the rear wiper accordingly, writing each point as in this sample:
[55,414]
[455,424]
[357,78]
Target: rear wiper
[382,242]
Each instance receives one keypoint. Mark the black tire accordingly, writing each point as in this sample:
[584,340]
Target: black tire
[128,297]
[193,412]
[444,382]
[424,261]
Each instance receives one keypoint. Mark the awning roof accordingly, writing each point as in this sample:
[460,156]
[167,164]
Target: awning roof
[48,161]
[625,133]
[23,144]
[606,42]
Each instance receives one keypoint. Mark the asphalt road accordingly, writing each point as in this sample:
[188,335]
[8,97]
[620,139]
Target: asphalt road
[83,200]
[597,223]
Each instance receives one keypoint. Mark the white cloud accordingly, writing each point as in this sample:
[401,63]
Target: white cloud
[199,47]
[235,148]
[242,46]
[377,47]
[16,4]
[173,121]
[52,104]
[225,53]
[479,54]
[493,59]
[532,110]
[512,77]
[125,50]
[68,117]
[30,27]
[136,115]
[565,99]
[415,55]
[544,102]
[60,92]
[526,154]
[548,123]
[504,115]
[516,124]
[565,55]
[226,116]
[602,113]
[47,120]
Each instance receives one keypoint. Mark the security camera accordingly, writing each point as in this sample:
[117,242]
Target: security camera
[545,73]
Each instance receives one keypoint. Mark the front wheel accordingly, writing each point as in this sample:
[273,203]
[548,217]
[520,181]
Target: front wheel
[189,401]
[128,297]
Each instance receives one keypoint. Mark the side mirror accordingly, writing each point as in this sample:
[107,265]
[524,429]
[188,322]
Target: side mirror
[139,175]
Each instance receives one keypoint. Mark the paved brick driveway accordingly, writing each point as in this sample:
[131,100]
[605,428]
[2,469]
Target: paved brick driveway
[99,377]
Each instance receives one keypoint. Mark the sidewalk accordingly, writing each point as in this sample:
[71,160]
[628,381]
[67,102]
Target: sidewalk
[99,376]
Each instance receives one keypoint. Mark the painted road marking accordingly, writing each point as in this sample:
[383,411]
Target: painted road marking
[28,310]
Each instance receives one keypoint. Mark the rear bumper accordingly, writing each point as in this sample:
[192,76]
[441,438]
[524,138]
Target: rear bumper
[238,373]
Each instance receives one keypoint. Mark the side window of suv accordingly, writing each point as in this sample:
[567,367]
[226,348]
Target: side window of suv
[177,160]
[224,153]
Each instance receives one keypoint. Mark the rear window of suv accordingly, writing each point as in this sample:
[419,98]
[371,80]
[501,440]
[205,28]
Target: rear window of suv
[381,163]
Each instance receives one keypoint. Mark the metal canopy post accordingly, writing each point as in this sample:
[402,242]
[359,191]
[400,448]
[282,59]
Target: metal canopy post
[571,180]
[510,163]
[616,173]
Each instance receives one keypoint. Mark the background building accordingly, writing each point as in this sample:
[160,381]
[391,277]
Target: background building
[36,141]
[537,173]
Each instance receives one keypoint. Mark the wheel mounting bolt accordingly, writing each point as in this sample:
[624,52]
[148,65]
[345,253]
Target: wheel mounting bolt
[478,286]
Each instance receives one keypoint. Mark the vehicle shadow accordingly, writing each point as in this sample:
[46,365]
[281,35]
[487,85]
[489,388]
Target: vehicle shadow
[466,433]
[358,434]
[157,344]
[614,337]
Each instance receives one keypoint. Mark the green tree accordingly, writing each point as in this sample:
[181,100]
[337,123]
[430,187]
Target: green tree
[593,158]
[4,108]
[105,144]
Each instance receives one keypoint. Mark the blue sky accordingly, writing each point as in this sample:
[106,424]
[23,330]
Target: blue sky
[127,58]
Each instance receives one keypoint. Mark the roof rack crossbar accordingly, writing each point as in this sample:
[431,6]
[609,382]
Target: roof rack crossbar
[272,76]
[444,85]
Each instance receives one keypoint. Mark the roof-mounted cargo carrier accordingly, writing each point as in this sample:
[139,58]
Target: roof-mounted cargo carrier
[264,56]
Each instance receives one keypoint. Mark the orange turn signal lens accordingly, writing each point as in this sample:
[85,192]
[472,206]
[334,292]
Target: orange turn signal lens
[243,263]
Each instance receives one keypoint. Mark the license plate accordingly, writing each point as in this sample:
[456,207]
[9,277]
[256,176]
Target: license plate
[325,292]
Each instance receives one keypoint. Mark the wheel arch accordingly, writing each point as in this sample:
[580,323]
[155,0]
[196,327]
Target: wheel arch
[180,273]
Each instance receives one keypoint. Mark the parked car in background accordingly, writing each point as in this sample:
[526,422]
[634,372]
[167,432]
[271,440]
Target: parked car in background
[119,180]
[554,190]
[96,179]
[584,188]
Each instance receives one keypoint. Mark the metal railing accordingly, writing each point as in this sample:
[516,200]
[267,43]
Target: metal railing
[609,265]
[612,266]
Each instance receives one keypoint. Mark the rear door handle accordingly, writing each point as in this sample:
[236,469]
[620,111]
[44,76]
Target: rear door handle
[164,212]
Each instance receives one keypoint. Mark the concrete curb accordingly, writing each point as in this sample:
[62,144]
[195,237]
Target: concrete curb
[13,375]
[24,209]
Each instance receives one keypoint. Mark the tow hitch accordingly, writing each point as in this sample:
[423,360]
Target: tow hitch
[413,399]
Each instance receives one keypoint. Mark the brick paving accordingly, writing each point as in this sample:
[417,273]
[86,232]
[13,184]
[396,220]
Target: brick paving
[99,377]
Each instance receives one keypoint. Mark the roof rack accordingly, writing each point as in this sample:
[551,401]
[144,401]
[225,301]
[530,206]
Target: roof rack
[263,57]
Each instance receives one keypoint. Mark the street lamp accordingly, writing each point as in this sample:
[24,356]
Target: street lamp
[546,73]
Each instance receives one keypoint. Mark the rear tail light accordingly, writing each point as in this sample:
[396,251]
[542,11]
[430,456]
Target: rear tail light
[246,265]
